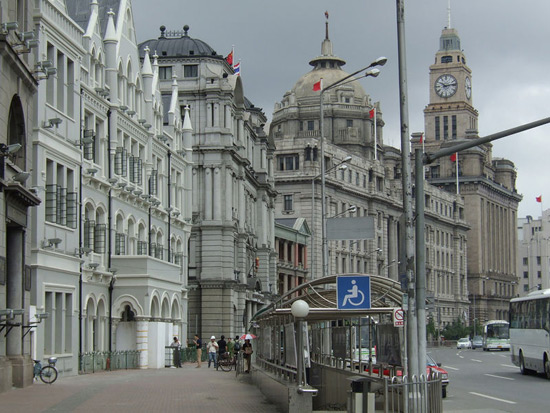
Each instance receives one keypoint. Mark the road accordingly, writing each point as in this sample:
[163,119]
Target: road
[486,382]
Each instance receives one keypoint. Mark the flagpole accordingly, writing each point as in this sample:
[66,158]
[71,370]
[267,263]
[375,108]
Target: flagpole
[375,137]
[457,187]
[423,149]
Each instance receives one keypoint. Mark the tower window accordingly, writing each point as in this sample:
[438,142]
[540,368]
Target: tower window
[445,127]
[446,59]
[287,203]
[437,129]
[453,126]
[288,162]
[349,123]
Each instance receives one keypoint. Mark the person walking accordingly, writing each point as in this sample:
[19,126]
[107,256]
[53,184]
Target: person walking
[230,346]
[222,347]
[247,349]
[198,346]
[212,349]
[177,348]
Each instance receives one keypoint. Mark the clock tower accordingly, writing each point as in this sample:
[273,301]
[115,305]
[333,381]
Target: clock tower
[486,184]
[450,112]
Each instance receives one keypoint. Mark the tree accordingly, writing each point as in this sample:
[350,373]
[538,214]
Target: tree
[456,330]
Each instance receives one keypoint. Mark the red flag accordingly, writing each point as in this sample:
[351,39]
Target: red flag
[371,113]
[317,86]
[421,138]
[326,14]
[229,58]
[539,198]
[453,157]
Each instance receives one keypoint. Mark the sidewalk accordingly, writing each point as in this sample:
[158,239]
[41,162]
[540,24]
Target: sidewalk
[166,390]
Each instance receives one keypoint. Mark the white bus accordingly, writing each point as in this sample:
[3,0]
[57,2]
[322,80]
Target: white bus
[530,332]
[496,335]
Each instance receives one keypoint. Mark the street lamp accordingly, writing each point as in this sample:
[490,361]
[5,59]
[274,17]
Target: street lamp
[381,61]
[341,166]
[300,310]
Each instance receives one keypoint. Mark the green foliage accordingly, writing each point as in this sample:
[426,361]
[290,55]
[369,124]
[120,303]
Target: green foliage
[456,330]
[430,328]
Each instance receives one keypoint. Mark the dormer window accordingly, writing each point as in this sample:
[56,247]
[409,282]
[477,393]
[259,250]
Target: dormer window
[446,59]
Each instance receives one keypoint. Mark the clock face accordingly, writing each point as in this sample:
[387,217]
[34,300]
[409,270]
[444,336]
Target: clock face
[468,87]
[445,86]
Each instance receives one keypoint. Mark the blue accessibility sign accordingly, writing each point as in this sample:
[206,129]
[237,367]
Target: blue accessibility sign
[353,292]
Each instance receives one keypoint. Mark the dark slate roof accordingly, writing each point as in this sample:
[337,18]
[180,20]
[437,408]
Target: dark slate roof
[287,222]
[80,11]
[177,44]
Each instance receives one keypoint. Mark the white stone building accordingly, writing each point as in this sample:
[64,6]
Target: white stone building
[17,114]
[233,189]
[534,253]
[113,171]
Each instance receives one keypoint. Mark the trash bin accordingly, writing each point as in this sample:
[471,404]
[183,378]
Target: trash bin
[360,397]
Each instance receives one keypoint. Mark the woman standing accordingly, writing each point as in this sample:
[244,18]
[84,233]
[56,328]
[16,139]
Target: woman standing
[247,349]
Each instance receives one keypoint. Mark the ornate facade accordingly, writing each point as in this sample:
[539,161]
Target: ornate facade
[17,116]
[233,189]
[370,181]
[486,184]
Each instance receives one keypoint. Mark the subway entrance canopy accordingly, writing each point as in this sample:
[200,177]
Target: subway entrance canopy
[322,297]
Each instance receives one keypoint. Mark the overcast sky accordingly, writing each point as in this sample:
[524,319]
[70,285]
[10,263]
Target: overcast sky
[505,43]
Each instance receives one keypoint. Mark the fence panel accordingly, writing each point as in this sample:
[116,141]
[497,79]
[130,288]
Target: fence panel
[103,360]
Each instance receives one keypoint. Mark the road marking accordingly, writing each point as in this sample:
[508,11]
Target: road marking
[476,360]
[451,368]
[499,377]
[509,365]
[492,398]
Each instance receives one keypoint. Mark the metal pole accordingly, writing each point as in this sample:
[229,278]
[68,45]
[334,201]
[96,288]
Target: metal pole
[299,353]
[412,342]
[313,229]
[420,258]
[323,198]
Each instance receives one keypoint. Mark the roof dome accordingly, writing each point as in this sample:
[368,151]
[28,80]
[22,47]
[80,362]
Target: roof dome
[329,68]
[178,44]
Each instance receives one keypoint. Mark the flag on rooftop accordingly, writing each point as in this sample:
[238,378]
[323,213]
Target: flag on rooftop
[318,86]
[372,113]
[237,69]
[229,58]
[539,198]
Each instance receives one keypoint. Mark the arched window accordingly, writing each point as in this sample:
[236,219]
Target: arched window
[16,132]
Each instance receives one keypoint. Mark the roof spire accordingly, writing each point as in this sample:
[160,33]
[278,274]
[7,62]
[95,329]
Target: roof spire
[448,14]
[326,25]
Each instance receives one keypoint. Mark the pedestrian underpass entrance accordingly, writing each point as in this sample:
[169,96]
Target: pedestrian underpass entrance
[347,337]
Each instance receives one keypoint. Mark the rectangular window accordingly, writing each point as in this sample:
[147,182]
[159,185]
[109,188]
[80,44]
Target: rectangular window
[153,183]
[539,274]
[288,162]
[538,260]
[349,123]
[525,261]
[190,70]
[165,72]
[121,159]
[99,238]
[310,125]
[434,171]
[437,129]
[120,244]
[453,126]
[287,203]
[445,127]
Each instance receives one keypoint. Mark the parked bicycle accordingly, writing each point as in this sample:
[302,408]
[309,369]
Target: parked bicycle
[226,362]
[48,374]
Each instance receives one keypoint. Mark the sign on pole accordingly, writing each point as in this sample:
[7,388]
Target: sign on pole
[353,292]
[398,317]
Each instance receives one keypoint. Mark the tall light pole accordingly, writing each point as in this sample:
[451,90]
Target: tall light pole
[381,61]
[341,166]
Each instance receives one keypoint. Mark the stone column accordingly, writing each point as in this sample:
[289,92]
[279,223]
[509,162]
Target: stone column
[228,195]
[208,194]
[142,333]
[217,194]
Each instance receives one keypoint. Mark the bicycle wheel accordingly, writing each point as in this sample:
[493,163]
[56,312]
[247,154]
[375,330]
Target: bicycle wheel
[48,374]
[225,365]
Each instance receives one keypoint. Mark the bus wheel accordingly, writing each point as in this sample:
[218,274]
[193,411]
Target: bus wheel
[522,364]
[546,366]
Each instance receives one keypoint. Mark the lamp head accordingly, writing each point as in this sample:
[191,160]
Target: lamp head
[372,73]
[347,159]
[381,61]
[299,309]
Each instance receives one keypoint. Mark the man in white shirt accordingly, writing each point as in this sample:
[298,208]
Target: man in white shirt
[212,348]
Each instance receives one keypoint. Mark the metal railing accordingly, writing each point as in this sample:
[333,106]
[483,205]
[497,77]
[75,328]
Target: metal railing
[187,355]
[105,361]
[411,394]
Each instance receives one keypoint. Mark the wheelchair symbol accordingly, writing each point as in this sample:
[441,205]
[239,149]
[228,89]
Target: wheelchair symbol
[353,295]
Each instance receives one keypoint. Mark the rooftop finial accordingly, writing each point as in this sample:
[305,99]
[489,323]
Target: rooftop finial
[185,30]
[111,12]
[449,14]
[326,25]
